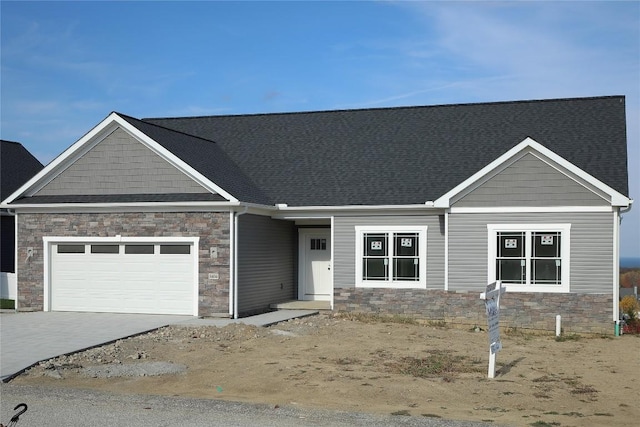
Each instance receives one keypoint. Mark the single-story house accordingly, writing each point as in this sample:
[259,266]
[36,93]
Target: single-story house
[17,166]
[409,210]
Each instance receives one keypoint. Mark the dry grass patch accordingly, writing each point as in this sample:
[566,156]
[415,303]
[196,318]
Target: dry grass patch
[438,363]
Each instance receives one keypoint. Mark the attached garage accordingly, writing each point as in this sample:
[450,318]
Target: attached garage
[122,275]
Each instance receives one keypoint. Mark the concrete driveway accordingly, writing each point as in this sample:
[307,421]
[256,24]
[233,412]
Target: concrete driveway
[28,338]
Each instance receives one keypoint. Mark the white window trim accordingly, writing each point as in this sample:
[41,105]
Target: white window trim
[565,251]
[398,284]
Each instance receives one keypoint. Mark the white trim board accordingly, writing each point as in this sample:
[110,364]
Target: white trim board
[533,209]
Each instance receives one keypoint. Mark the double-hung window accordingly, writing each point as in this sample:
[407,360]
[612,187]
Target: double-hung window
[530,257]
[391,256]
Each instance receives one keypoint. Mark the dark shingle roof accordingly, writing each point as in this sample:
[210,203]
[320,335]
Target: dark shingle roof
[17,166]
[206,157]
[400,155]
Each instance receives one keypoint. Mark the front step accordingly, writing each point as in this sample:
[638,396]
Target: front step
[302,305]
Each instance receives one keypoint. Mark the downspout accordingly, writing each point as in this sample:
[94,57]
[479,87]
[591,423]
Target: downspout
[235,261]
[446,250]
[617,220]
[15,259]
[616,264]
[232,217]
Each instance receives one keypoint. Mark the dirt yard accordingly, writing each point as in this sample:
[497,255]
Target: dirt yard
[365,364]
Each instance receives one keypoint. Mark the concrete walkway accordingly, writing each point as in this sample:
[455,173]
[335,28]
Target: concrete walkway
[29,338]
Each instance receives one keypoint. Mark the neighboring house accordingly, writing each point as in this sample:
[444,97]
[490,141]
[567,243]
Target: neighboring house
[17,165]
[396,210]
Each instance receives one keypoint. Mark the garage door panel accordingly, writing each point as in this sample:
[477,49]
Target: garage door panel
[123,282]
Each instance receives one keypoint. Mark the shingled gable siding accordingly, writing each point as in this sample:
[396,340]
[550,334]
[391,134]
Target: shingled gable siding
[529,181]
[120,164]
[211,227]
[266,257]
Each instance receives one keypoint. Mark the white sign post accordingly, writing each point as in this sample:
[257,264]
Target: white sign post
[491,299]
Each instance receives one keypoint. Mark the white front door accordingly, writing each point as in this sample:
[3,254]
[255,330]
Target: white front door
[315,277]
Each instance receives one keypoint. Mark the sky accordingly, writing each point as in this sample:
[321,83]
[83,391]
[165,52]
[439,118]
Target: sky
[66,65]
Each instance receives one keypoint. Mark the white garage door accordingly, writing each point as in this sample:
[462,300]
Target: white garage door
[140,277]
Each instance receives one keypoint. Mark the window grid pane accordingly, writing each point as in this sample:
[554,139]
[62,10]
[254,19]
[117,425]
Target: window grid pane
[511,245]
[375,244]
[510,257]
[511,271]
[406,269]
[546,265]
[546,271]
[375,269]
[406,264]
[375,265]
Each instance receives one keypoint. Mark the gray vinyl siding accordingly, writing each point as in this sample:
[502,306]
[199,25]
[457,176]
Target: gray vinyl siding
[530,181]
[591,248]
[266,256]
[120,164]
[344,246]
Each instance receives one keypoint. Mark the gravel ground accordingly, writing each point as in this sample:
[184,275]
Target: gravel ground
[78,407]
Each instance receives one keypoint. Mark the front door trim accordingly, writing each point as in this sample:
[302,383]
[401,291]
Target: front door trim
[304,234]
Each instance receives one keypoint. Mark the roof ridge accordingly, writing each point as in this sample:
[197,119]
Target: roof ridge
[163,127]
[402,107]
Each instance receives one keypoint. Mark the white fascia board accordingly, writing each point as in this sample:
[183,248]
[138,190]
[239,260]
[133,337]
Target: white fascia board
[285,208]
[326,212]
[532,209]
[123,207]
[617,199]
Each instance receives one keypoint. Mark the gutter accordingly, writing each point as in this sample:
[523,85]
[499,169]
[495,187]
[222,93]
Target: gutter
[283,207]
[626,208]
[617,220]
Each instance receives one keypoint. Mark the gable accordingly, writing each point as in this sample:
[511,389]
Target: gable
[120,164]
[530,181]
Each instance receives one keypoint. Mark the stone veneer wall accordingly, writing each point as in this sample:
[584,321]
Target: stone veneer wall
[211,227]
[580,312]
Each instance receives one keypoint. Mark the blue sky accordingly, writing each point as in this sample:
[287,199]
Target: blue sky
[66,65]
